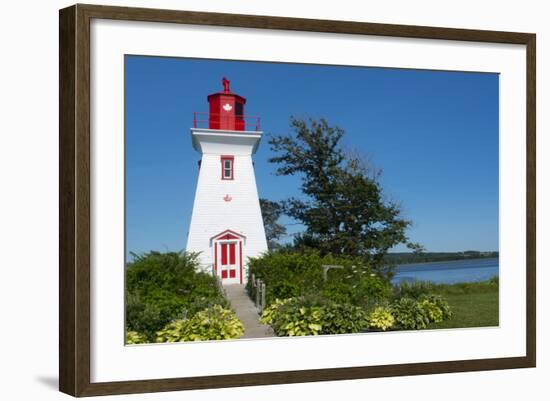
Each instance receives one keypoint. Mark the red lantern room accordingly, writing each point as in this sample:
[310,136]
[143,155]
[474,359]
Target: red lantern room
[226,109]
[226,112]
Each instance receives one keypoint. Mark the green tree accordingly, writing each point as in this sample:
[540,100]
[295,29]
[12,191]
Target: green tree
[342,208]
[271,212]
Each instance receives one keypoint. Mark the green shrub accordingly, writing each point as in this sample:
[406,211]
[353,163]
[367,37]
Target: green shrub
[214,323]
[431,310]
[381,318]
[161,287]
[144,317]
[133,337]
[359,290]
[372,287]
[295,320]
[409,314]
[286,274]
[338,292]
[417,314]
[155,275]
[342,319]
[269,313]
[150,312]
[441,303]
[291,274]
[313,316]
[284,290]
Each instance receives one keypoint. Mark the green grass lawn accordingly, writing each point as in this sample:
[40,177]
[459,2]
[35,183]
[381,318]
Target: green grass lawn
[471,310]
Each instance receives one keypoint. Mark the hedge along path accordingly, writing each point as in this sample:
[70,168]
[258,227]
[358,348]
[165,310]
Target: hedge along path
[246,312]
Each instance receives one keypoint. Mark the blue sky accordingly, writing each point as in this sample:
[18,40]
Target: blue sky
[434,134]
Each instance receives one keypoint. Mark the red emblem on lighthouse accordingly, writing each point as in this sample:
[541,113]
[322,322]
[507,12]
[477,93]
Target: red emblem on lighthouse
[227,198]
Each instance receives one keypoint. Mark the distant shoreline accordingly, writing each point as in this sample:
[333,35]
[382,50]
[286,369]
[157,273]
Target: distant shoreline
[442,261]
[435,257]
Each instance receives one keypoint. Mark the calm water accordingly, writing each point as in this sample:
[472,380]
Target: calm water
[450,272]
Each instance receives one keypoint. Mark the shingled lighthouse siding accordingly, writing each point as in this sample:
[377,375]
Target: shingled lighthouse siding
[226,223]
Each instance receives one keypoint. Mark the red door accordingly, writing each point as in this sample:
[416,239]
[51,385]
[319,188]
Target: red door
[228,261]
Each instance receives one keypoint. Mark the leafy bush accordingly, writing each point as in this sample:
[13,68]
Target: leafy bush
[417,314]
[214,323]
[286,274]
[431,310]
[284,290]
[268,314]
[338,292]
[292,274]
[161,287]
[372,288]
[144,317]
[381,318]
[409,314]
[133,337]
[442,304]
[343,318]
[295,320]
[360,291]
[313,316]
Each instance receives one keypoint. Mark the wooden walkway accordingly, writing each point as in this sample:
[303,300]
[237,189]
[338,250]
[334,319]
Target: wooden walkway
[246,312]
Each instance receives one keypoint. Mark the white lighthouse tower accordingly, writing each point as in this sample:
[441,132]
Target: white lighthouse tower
[226,223]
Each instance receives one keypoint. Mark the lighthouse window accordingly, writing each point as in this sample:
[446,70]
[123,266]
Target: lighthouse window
[238,109]
[227,167]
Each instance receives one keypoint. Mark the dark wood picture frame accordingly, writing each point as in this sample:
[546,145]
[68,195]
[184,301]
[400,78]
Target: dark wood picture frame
[74,199]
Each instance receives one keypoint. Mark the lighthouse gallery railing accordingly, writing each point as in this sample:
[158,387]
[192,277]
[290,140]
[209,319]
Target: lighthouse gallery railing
[204,119]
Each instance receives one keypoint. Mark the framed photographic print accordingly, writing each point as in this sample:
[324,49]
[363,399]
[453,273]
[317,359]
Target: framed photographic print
[250,200]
